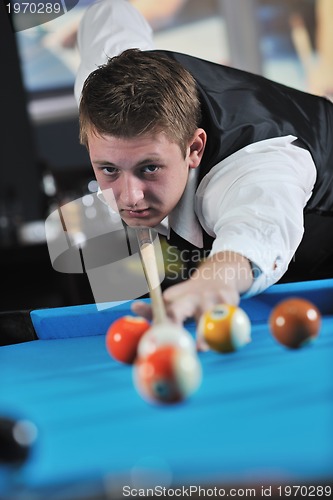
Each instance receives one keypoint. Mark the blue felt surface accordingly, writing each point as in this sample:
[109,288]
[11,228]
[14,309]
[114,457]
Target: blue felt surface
[92,319]
[76,321]
[262,414]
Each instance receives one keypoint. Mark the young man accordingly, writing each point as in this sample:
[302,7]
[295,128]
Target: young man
[220,161]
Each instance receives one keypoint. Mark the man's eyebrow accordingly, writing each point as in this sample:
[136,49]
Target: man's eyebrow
[145,161]
[103,162]
[152,159]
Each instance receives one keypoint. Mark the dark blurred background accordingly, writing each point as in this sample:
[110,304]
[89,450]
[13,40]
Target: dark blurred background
[42,163]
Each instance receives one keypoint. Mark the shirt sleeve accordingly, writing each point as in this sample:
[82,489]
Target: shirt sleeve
[252,203]
[107,28]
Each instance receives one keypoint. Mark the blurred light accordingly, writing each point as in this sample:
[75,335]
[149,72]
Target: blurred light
[49,185]
[87,200]
[91,212]
[93,186]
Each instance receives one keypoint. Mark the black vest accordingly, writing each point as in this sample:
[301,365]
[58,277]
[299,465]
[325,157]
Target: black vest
[240,108]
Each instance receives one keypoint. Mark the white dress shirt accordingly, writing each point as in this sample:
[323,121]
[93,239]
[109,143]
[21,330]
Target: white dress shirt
[109,27]
[252,202]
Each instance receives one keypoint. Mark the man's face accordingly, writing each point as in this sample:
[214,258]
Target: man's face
[147,175]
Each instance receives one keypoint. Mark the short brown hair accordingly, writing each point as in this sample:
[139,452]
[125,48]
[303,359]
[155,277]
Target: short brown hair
[140,92]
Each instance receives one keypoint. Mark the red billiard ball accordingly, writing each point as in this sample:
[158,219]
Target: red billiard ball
[167,375]
[225,328]
[295,322]
[123,336]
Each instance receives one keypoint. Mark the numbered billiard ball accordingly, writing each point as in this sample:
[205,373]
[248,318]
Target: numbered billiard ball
[295,322]
[17,439]
[165,334]
[167,375]
[225,328]
[123,336]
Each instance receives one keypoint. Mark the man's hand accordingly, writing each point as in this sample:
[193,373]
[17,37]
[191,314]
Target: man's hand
[220,279]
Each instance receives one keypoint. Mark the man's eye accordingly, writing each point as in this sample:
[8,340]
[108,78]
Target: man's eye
[109,170]
[150,169]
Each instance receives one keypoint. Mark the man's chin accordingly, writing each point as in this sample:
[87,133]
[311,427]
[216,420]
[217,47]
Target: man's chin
[141,221]
[134,224]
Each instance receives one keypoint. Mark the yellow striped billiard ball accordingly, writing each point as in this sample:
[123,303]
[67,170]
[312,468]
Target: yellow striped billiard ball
[225,328]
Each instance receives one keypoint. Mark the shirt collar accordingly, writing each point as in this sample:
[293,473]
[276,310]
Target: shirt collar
[183,219]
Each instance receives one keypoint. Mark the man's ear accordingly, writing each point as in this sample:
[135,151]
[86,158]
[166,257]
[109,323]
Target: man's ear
[197,147]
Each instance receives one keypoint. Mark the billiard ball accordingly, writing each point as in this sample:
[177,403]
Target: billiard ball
[165,334]
[295,322]
[167,375]
[17,438]
[225,328]
[123,336]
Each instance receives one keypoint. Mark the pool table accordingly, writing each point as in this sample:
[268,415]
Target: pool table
[260,424]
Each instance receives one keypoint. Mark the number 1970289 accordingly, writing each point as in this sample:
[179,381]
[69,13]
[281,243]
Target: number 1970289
[35,8]
[304,491]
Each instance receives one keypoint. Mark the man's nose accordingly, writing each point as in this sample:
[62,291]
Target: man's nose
[131,192]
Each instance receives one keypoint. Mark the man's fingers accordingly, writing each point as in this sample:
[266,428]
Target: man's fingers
[142,309]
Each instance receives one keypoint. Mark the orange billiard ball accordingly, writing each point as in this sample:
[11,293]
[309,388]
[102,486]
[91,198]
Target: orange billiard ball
[167,375]
[225,328]
[295,322]
[123,336]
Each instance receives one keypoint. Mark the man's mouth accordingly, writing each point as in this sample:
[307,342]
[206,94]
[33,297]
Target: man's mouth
[144,212]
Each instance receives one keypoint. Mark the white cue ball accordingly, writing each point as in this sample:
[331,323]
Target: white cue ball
[165,334]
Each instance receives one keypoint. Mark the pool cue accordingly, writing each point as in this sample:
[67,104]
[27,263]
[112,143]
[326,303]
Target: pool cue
[150,268]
